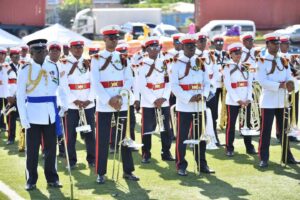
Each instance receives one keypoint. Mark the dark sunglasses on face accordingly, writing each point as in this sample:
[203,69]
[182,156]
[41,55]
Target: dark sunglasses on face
[219,42]
[113,37]
[237,53]
[176,42]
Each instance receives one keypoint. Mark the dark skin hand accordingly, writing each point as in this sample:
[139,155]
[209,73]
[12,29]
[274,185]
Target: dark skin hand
[158,102]
[11,100]
[116,102]
[197,98]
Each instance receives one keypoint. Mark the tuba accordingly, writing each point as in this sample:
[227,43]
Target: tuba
[82,125]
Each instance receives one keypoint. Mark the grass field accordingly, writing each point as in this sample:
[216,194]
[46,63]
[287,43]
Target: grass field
[235,178]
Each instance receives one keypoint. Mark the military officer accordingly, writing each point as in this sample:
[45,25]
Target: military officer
[109,78]
[190,84]
[12,85]
[155,93]
[274,75]
[238,83]
[38,83]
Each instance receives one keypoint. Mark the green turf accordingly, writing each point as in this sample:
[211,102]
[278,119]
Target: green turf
[235,178]
[3,196]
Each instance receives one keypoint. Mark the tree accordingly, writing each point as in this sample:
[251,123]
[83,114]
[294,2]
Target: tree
[69,8]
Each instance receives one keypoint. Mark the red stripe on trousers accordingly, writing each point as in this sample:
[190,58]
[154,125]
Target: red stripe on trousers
[97,143]
[228,125]
[261,131]
[177,140]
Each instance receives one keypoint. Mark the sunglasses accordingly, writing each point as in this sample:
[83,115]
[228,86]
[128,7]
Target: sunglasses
[237,53]
[154,47]
[177,42]
[219,42]
[113,37]
[190,45]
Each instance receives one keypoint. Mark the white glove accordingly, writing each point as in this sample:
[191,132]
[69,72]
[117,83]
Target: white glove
[62,111]
[25,124]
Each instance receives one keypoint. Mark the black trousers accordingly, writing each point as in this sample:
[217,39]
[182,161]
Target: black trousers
[11,122]
[71,135]
[232,113]
[184,125]
[103,123]
[33,140]
[266,129]
[213,104]
[3,103]
[132,131]
[149,124]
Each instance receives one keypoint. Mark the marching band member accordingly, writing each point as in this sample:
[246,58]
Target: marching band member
[38,83]
[190,84]
[12,85]
[93,50]
[24,56]
[274,75]
[3,85]
[54,51]
[155,93]
[109,76]
[238,83]
[80,96]
[284,47]
[221,57]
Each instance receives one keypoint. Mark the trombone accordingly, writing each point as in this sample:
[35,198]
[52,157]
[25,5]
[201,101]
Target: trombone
[126,141]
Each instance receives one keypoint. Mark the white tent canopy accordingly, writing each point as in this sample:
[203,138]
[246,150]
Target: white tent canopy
[9,40]
[58,33]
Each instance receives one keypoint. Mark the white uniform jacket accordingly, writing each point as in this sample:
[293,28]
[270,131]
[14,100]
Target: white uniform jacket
[272,96]
[4,92]
[154,86]
[221,59]
[185,87]
[238,83]
[12,79]
[49,84]
[249,56]
[78,85]
[108,82]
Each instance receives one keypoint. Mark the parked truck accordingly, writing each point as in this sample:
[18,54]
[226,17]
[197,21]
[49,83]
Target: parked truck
[88,22]
[267,14]
[22,17]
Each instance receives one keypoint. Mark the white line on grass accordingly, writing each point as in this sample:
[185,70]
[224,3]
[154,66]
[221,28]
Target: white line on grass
[9,192]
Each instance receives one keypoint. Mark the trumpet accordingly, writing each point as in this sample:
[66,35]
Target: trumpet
[126,141]
[82,124]
[8,109]
[160,119]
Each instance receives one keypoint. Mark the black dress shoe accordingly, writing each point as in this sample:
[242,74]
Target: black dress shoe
[182,172]
[55,184]
[29,186]
[92,164]
[100,179]
[9,142]
[263,164]
[293,162]
[206,170]
[131,177]
[251,151]
[146,160]
[167,158]
[229,153]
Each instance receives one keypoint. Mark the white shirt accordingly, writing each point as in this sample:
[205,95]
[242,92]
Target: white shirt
[234,95]
[79,76]
[12,77]
[103,95]
[221,59]
[183,97]
[272,96]
[251,59]
[4,92]
[39,113]
[148,96]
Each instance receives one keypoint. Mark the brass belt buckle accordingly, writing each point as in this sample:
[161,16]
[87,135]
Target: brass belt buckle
[114,84]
